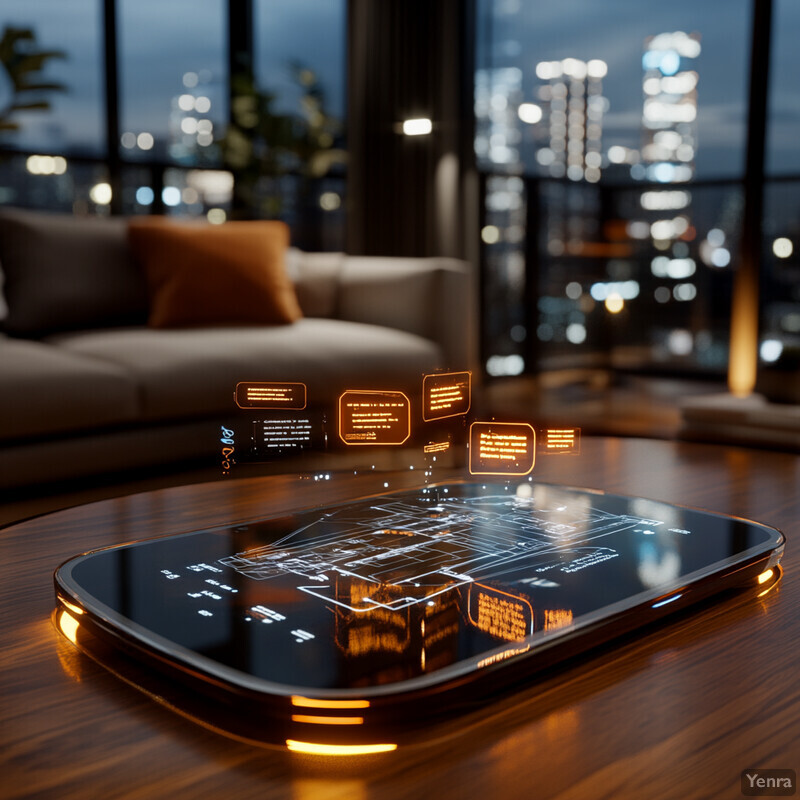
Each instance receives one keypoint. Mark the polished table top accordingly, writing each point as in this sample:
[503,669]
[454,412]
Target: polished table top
[675,710]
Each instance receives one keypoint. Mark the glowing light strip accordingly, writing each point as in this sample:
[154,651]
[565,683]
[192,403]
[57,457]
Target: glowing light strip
[69,626]
[766,575]
[311,702]
[327,720]
[668,600]
[338,749]
[71,606]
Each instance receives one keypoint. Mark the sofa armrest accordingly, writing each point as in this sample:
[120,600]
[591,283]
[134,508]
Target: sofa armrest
[430,297]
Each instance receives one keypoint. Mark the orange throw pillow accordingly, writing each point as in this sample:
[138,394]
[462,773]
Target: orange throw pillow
[200,274]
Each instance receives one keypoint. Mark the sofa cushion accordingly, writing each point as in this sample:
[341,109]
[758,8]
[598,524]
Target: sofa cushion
[215,274]
[67,273]
[47,390]
[316,280]
[185,372]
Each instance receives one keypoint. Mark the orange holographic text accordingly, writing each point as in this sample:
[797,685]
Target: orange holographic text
[374,417]
[500,614]
[436,447]
[555,618]
[561,440]
[447,394]
[289,396]
[501,448]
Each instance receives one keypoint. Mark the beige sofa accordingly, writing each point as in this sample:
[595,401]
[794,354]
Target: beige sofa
[87,387]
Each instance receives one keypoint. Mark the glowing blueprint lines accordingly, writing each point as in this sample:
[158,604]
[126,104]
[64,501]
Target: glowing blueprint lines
[416,549]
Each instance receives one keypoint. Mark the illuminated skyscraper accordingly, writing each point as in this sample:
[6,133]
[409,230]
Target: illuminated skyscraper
[669,144]
[572,113]
[669,115]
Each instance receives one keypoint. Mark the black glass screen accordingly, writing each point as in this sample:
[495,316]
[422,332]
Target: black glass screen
[402,585]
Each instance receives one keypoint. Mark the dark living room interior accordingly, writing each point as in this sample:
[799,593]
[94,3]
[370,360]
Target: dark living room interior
[591,209]
[629,225]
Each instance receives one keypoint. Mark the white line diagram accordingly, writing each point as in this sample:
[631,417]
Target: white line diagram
[398,552]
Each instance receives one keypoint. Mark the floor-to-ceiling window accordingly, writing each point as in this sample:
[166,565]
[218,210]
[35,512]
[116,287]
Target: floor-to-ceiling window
[612,140]
[780,317]
[189,133]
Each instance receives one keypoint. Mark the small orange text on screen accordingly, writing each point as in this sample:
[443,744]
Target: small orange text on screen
[374,417]
[258,394]
[501,448]
[446,394]
[500,614]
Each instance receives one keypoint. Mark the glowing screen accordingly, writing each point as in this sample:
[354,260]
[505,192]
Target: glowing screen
[501,448]
[560,440]
[446,395]
[288,396]
[401,585]
[279,435]
[374,417]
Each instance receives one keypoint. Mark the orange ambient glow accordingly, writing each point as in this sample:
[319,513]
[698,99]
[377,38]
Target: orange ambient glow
[446,394]
[313,720]
[562,440]
[374,417]
[69,626]
[501,448]
[311,702]
[289,396]
[338,749]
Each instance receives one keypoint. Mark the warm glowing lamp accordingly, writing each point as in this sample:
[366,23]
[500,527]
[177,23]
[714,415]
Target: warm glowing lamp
[743,358]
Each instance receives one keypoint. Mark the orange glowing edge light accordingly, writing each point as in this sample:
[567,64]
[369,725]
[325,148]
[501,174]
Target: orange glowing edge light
[402,434]
[68,626]
[430,416]
[311,702]
[317,749]
[71,606]
[769,579]
[475,451]
[311,719]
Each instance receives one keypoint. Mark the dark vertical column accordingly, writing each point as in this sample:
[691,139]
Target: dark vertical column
[406,194]
[483,278]
[533,215]
[112,103]
[240,80]
[743,362]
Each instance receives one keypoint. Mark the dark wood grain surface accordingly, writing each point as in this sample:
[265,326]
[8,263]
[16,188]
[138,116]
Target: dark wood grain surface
[676,711]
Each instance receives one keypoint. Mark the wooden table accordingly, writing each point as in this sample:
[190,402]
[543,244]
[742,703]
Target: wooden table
[677,711]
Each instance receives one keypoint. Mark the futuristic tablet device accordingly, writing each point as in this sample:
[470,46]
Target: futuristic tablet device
[358,625]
